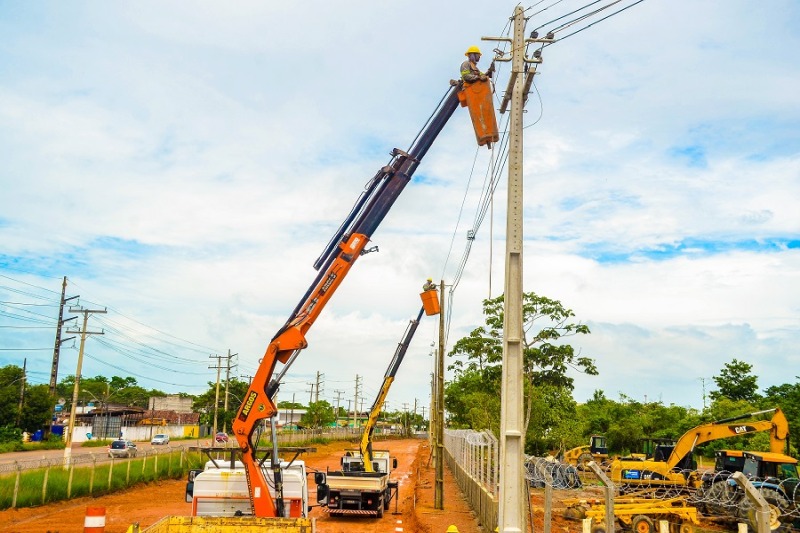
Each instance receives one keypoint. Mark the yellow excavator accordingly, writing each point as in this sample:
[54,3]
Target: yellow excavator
[679,467]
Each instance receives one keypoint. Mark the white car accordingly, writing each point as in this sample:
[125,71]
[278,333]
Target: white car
[160,439]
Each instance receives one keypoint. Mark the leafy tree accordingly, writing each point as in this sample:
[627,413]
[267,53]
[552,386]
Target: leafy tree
[787,397]
[317,415]
[37,405]
[37,408]
[100,389]
[204,403]
[473,399]
[11,380]
[736,382]
[546,360]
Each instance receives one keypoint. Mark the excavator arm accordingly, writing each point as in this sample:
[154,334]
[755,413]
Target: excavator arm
[388,379]
[778,427]
[338,257]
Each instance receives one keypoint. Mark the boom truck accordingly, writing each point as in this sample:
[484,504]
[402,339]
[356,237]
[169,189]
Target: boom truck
[678,470]
[264,469]
[363,486]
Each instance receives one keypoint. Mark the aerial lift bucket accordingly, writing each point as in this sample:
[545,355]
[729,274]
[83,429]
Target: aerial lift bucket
[478,98]
[430,302]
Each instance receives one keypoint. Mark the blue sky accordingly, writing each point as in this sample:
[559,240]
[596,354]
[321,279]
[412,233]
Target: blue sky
[183,165]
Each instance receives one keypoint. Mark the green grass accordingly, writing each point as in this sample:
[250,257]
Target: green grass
[84,482]
[95,443]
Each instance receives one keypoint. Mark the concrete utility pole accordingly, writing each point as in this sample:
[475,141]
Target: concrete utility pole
[59,342]
[438,493]
[227,387]
[316,391]
[513,490]
[355,405]
[216,396]
[76,388]
[338,401]
[22,391]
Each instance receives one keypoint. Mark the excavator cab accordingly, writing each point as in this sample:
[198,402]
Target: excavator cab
[597,445]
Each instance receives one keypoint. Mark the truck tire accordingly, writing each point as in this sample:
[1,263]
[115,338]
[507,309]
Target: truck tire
[380,510]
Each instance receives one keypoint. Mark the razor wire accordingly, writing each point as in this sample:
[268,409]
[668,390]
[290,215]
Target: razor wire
[546,471]
[720,496]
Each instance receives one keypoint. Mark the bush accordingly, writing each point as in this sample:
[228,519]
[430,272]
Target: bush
[10,434]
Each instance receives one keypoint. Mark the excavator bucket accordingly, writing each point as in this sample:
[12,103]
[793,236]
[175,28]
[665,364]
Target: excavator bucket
[478,98]
[430,302]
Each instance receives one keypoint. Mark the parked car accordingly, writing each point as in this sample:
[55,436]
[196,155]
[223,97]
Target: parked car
[122,448]
[221,437]
[160,439]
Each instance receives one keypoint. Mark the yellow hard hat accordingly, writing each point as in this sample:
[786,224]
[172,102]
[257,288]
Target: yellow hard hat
[452,529]
[472,50]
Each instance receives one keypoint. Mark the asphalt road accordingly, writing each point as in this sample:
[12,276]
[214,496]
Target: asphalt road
[32,459]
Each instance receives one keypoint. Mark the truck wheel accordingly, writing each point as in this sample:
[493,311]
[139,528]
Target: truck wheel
[642,524]
[380,510]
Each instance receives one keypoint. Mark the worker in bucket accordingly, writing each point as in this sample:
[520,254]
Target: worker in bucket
[429,285]
[469,68]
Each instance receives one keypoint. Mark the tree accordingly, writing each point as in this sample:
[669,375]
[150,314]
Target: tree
[546,361]
[736,382]
[37,406]
[317,415]
[11,380]
[204,403]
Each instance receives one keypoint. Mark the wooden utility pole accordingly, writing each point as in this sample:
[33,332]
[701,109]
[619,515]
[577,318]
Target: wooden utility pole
[513,490]
[76,389]
[438,493]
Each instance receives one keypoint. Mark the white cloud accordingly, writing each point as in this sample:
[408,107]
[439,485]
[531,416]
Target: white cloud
[186,166]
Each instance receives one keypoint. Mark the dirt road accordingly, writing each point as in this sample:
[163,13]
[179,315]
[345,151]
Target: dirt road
[412,512]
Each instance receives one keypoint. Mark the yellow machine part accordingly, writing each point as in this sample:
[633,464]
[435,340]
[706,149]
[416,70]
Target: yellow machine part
[228,524]
[478,98]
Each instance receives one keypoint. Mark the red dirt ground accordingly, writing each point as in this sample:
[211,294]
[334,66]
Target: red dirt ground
[413,512]
[146,504]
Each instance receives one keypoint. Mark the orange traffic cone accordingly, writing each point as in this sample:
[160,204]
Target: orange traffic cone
[95,521]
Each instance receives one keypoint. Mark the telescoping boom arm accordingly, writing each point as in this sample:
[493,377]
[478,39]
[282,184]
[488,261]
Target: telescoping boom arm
[388,379]
[346,246]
